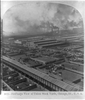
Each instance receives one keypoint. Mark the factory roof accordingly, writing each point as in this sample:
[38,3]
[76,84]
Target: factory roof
[74,66]
[42,41]
[45,59]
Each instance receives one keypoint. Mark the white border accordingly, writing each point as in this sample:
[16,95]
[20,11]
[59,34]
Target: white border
[57,95]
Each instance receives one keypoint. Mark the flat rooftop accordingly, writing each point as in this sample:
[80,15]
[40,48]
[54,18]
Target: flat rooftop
[37,89]
[69,75]
[42,41]
[28,62]
[66,75]
[74,66]
[31,62]
[45,59]
[17,57]
[81,83]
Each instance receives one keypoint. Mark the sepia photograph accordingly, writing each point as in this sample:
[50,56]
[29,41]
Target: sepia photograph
[42,47]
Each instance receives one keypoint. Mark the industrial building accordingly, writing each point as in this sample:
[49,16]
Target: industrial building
[50,68]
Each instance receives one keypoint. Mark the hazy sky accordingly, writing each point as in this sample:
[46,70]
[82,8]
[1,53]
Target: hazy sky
[38,17]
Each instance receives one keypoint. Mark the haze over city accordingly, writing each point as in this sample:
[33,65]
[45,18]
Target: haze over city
[37,18]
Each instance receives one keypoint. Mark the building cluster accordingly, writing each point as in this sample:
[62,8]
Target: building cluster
[45,64]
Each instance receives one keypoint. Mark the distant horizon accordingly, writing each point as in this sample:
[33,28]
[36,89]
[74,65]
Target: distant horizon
[76,31]
[40,18]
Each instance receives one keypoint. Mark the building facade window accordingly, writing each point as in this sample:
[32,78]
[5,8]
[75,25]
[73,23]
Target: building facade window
[51,85]
[41,80]
[57,88]
[54,87]
[48,84]
[60,89]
